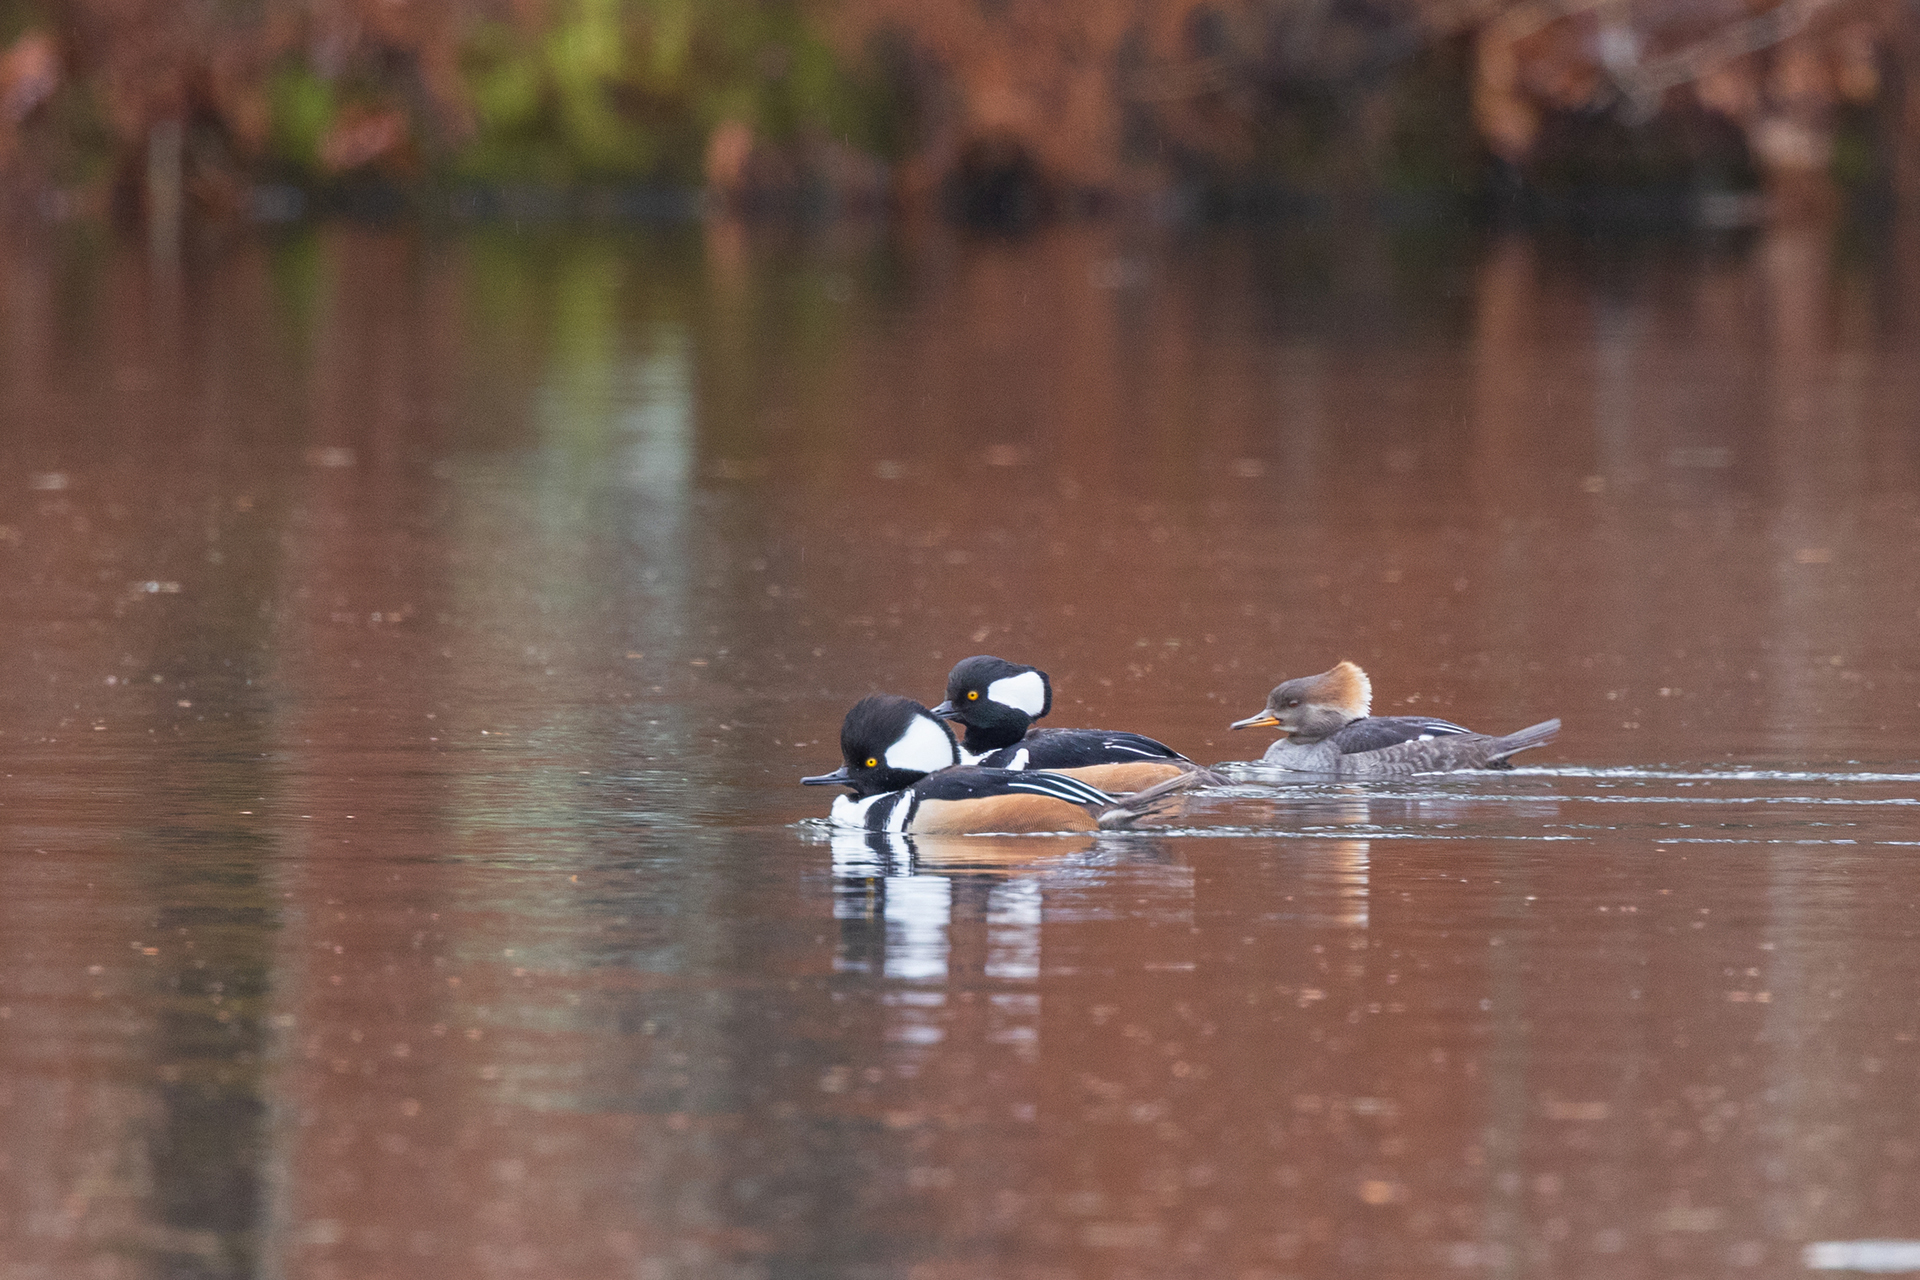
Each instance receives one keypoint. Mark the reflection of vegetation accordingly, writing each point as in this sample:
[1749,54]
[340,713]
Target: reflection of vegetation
[296,269]
[588,362]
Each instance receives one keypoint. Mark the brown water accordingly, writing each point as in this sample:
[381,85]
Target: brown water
[410,645]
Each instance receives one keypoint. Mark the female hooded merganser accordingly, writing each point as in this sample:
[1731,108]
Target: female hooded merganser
[903,767]
[1329,731]
[998,701]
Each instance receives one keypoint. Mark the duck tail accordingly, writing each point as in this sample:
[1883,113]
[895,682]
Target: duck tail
[1157,798]
[1538,735]
[1198,775]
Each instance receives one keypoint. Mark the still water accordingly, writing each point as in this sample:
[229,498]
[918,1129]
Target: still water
[410,644]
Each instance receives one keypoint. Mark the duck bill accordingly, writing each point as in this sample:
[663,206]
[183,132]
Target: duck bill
[838,778]
[945,711]
[1260,721]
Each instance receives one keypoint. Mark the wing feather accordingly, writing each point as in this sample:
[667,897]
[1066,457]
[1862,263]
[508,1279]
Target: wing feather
[1081,748]
[1060,787]
[1376,733]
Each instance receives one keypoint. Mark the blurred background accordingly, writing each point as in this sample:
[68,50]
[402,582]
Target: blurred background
[459,460]
[1717,112]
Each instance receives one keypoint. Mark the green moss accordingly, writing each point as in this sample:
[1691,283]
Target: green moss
[504,80]
[585,62]
[631,89]
[303,107]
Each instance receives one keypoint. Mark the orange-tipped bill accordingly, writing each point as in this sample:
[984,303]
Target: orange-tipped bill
[1255,722]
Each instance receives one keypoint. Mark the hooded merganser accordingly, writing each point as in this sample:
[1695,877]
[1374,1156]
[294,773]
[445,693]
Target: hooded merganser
[1329,731]
[998,701]
[903,767]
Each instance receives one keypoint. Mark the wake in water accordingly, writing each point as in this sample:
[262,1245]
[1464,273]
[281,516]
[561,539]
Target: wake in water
[1253,771]
[1732,773]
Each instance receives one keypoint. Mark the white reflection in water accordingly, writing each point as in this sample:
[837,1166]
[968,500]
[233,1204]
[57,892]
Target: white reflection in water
[889,924]
[860,854]
[1013,931]
[914,1020]
[917,910]
[1015,1022]
[1880,1257]
[659,425]
[1351,864]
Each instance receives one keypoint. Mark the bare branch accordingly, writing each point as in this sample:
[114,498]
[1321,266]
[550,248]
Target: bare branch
[1643,86]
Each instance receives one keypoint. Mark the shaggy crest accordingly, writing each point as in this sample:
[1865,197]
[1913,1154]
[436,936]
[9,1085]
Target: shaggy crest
[1346,687]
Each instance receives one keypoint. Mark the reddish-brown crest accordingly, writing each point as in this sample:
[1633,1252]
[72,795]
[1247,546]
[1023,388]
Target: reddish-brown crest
[1346,687]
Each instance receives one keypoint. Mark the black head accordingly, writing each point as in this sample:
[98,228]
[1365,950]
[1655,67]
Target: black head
[997,700]
[889,742]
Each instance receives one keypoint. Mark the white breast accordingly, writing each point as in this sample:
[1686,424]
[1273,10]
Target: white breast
[895,810]
[848,812]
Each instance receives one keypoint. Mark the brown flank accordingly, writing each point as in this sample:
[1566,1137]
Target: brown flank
[1131,776]
[1000,813]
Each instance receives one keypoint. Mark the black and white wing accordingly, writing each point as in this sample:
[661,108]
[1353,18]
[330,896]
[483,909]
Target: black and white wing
[1078,749]
[983,783]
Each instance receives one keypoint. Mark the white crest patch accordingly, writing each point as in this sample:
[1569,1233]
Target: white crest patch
[1019,760]
[1025,692]
[926,746]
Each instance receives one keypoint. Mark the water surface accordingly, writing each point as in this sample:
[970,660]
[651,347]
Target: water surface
[412,642]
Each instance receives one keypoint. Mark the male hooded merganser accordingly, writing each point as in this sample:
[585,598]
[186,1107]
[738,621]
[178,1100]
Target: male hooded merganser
[998,701]
[1329,731]
[903,767]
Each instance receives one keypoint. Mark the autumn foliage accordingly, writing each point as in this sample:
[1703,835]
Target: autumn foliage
[1009,108]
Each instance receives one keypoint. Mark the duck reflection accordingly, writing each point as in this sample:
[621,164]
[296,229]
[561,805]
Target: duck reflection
[951,931]
[905,903]
[1013,931]
[896,899]
[1349,862]
[1349,807]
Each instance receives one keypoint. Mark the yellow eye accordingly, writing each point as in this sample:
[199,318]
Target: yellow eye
[973,695]
[873,762]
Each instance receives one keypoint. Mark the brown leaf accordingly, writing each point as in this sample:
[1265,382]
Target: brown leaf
[29,73]
[361,137]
